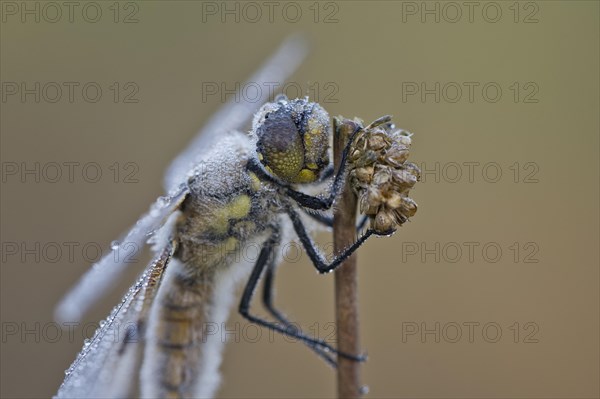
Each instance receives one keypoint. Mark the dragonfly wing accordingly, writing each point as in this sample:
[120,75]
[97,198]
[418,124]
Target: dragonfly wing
[105,367]
[96,281]
[231,117]
[234,114]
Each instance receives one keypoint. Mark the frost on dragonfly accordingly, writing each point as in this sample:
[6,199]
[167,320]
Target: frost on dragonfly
[229,191]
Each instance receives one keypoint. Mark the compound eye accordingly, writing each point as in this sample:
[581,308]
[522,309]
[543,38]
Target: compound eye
[280,145]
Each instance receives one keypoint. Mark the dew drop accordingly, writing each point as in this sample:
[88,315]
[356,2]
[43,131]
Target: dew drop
[162,201]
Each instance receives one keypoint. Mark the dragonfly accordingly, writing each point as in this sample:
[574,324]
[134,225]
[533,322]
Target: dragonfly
[227,189]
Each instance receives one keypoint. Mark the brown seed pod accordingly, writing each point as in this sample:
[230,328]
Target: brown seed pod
[364,174]
[383,221]
[380,174]
[393,200]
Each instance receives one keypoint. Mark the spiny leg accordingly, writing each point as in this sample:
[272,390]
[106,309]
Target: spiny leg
[269,305]
[268,302]
[244,307]
[318,259]
[327,173]
[327,220]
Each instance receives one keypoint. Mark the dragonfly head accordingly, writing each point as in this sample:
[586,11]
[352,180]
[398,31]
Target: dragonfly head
[293,139]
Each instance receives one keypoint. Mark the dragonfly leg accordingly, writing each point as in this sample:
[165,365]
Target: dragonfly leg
[244,307]
[315,255]
[327,173]
[327,220]
[278,315]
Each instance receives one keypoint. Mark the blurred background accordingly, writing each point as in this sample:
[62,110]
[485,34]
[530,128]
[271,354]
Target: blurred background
[492,289]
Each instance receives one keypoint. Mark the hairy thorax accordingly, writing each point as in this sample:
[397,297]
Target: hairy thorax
[227,209]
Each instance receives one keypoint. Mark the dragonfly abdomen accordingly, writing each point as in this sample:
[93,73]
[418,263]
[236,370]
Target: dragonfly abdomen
[184,340]
[175,334]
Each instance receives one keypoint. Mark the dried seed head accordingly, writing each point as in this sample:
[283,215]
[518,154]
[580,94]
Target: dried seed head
[374,197]
[403,178]
[413,169]
[397,154]
[377,141]
[382,176]
[364,174]
[380,173]
[383,221]
[409,207]
[393,200]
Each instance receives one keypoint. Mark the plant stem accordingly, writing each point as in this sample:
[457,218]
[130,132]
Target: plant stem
[346,292]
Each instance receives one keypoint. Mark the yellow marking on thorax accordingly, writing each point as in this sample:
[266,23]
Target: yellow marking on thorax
[256,184]
[236,209]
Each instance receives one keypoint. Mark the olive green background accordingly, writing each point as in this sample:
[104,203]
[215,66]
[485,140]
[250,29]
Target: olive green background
[367,53]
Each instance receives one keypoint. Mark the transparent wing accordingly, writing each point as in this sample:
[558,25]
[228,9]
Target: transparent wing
[96,281]
[105,367]
[231,117]
[234,114]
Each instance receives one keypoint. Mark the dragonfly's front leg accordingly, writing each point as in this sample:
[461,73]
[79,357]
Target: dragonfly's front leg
[327,220]
[315,255]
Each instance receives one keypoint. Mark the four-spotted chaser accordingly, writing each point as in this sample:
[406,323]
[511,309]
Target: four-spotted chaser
[225,190]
